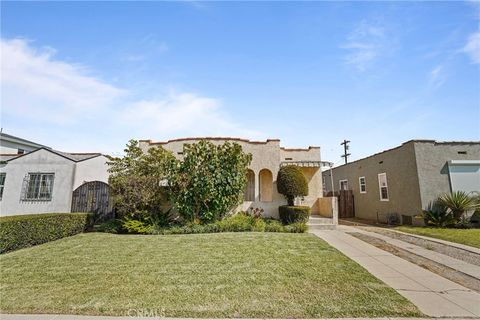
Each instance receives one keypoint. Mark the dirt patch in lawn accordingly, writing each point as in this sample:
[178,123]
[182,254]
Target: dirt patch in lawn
[444,271]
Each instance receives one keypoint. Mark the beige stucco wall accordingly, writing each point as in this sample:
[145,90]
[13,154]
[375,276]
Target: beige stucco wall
[400,167]
[417,173]
[432,158]
[265,155]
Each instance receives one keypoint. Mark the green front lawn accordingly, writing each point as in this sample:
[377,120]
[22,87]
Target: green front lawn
[201,275]
[469,237]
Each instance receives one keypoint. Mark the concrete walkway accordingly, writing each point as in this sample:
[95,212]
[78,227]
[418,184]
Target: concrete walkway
[433,295]
[459,265]
[73,317]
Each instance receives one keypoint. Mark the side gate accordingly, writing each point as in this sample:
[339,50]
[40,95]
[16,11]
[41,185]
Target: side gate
[346,203]
[94,197]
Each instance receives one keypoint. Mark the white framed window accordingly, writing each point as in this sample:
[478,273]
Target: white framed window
[38,187]
[343,184]
[3,175]
[363,184]
[383,186]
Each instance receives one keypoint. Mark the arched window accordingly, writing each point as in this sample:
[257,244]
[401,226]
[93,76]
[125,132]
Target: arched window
[250,187]
[266,185]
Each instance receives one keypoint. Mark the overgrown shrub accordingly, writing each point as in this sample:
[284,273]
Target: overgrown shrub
[291,183]
[236,223]
[137,226]
[23,231]
[297,227]
[273,225]
[209,181]
[135,181]
[111,226]
[292,214]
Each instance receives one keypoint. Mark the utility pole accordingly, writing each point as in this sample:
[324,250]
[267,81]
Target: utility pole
[345,150]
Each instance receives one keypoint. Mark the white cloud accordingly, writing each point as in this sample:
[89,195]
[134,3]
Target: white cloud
[472,48]
[49,95]
[437,77]
[184,114]
[35,85]
[364,45]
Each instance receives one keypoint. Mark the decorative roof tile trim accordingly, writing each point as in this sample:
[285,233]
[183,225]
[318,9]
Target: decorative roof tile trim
[411,141]
[10,154]
[150,142]
[299,149]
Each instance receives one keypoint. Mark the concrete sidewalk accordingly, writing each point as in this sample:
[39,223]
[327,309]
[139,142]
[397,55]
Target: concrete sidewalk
[74,317]
[433,295]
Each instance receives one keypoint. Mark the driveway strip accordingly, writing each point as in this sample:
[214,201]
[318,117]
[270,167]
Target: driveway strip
[434,295]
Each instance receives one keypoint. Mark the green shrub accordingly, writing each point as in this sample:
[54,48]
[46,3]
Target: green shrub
[292,214]
[291,183]
[111,226]
[297,227]
[259,225]
[437,215]
[236,223]
[137,226]
[23,231]
[273,225]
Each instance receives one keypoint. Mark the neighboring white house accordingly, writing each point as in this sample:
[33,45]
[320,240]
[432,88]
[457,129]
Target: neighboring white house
[45,180]
[14,145]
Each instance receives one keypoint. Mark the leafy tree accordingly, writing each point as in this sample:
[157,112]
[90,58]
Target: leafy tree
[291,183]
[135,181]
[209,181]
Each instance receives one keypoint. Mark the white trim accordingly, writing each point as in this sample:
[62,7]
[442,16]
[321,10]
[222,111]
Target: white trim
[380,187]
[360,184]
[340,184]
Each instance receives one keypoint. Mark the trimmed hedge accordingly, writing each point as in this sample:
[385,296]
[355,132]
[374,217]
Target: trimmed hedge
[293,214]
[23,231]
[291,183]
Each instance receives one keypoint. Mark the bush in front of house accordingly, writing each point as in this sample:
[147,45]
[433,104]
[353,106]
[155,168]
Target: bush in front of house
[294,214]
[23,231]
[240,222]
[291,183]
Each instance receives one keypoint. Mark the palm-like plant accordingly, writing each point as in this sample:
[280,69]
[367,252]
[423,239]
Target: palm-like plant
[458,202]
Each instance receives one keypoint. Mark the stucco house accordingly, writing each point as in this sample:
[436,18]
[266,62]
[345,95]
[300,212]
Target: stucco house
[46,180]
[405,179]
[267,158]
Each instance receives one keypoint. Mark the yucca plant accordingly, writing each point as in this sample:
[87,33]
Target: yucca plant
[436,214]
[458,202]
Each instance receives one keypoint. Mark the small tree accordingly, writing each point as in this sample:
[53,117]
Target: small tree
[291,183]
[209,181]
[135,181]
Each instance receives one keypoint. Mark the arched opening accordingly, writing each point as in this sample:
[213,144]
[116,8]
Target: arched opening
[94,197]
[266,185]
[250,187]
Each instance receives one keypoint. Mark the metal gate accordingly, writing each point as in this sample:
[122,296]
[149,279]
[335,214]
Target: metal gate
[94,197]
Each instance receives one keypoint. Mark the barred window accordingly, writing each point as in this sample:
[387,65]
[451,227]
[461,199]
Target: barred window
[38,186]
[2,183]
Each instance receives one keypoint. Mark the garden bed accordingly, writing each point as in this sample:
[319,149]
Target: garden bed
[251,274]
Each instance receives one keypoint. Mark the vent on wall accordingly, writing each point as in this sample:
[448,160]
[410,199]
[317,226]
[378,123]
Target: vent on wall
[179,152]
[288,158]
[462,152]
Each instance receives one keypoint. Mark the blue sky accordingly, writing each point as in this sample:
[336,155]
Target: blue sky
[86,76]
